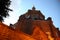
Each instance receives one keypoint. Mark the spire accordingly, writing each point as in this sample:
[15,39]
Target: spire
[33,8]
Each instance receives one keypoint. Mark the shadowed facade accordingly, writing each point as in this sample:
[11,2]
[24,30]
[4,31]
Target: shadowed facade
[34,18]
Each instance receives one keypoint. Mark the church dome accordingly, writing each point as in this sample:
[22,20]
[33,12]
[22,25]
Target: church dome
[34,14]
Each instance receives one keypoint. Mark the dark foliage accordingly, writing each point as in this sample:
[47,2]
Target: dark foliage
[4,9]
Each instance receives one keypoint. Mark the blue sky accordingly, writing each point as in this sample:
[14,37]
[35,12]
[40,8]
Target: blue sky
[50,8]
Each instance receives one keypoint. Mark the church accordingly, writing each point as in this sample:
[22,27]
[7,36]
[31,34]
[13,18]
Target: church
[34,21]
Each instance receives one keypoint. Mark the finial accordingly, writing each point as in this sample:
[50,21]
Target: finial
[33,8]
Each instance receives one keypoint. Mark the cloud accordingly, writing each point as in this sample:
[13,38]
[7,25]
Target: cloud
[15,6]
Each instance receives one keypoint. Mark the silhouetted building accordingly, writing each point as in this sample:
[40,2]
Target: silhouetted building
[34,18]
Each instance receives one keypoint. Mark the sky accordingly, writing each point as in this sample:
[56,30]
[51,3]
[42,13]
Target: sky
[49,8]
